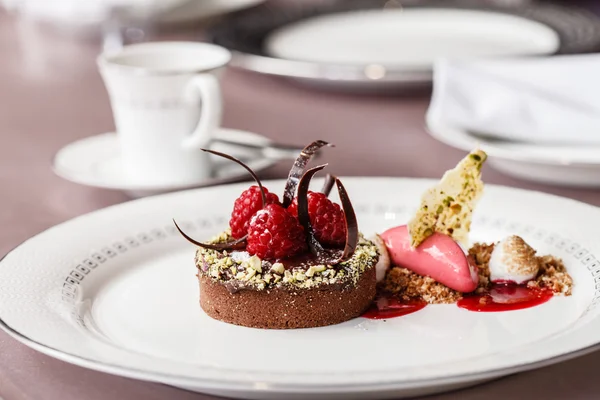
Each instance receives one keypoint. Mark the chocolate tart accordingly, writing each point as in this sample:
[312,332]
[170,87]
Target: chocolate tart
[298,293]
[314,285]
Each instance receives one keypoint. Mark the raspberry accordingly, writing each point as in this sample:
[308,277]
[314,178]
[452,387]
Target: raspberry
[274,233]
[326,217]
[245,207]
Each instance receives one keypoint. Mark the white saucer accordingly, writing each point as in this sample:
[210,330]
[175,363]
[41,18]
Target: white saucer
[95,161]
[571,166]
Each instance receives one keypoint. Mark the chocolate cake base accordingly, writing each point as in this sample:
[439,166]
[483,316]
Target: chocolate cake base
[288,308]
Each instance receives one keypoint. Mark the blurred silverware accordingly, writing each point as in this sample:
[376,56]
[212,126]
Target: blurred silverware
[270,150]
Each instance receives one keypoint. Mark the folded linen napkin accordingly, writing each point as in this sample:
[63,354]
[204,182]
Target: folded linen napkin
[553,100]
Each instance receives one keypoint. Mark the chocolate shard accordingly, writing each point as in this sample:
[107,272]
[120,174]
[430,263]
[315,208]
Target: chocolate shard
[351,222]
[227,156]
[328,184]
[298,170]
[331,257]
[233,245]
[315,247]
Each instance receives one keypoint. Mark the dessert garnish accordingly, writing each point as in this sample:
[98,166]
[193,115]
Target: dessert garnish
[513,261]
[298,170]
[256,198]
[326,220]
[448,207]
[292,264]
[505,297]
[428,263]
[248,197]
[385,307]
[438,257]
[328,184]
[274,232]
[302,262]
[430,245]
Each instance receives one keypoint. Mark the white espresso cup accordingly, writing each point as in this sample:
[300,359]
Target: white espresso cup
[167,105]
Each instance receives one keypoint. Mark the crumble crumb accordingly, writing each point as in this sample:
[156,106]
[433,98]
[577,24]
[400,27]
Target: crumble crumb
[553,275]
[408,285]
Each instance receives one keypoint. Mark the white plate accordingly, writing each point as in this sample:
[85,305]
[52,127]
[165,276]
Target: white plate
[409,38]
[115,291]
[192,10]
[575,166]
[96,161]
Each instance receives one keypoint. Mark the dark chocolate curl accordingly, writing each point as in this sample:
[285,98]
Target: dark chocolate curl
[351,222]
[303,218]
[235,244]
[328,184]
[327,256]
[227,156]
[298,169]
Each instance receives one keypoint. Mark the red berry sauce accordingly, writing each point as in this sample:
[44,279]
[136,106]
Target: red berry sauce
[501,297]
[385,307]
[505,297]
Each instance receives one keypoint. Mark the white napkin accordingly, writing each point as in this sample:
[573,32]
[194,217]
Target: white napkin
[553,100]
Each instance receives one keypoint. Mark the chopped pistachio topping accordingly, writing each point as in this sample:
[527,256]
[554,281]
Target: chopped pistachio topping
[278,268]
[448,207]
[255,263]
[314,269]
[251,272]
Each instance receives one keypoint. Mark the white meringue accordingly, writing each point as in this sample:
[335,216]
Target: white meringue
[513,260]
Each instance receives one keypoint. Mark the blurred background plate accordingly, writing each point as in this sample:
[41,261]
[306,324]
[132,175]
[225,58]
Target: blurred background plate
[563,165]
[90,16]
[370,44]
[192,10]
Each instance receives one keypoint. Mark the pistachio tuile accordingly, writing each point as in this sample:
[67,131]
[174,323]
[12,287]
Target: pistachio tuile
[448,206]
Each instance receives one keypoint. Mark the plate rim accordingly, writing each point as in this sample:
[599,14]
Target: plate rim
[213,383]
[165,378]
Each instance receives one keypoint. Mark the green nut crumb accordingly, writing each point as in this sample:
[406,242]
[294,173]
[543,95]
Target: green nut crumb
[261,275]
[278,268]
[311,271]
[251,272]
[255,263]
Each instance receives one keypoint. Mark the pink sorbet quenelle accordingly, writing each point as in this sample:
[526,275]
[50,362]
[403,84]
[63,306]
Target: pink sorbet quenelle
[438,257]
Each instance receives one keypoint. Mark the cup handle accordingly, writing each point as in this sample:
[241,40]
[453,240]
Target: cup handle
[212,109]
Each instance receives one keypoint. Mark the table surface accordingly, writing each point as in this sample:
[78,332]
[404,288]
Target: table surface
[52,95]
